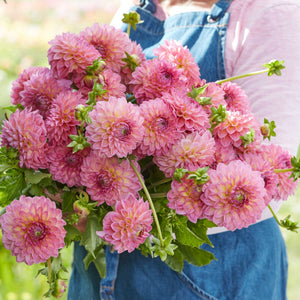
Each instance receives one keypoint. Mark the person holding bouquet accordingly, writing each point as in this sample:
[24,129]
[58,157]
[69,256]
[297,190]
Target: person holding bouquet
[226,38]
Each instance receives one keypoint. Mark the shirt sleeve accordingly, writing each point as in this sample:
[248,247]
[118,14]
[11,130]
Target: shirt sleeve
[256,38]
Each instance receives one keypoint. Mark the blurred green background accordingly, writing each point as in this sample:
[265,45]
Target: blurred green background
[26,26]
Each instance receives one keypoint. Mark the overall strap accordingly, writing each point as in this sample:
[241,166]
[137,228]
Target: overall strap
[147,5]
[219,9]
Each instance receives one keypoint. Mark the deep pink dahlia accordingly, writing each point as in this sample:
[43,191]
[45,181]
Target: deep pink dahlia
[70,53]
[184,197]
[33,229]
[110,42]
[234,195]
[154,77]
[61,121]
[65,166]
[25,130]
[191,152]
[191,115]
[107,179]
[160,125]
[175,52]
[234,127]
[116,128]
[129,225]
[280,159]
[235,97]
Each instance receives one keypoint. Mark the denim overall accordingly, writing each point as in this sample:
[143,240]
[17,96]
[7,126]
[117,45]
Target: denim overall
[251,263]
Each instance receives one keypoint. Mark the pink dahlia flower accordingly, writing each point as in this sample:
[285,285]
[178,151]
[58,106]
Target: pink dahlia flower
[65,166]
[280,159]
[128,226]
[70,54]
[184,197]
[107,179]
[116,128]
[235,97]
[110,81]
[191,152]
[224,154]
[175,52]
[191,116]
[216,93]
[234,127]
[33,229]
[110,42]
[160,126]
[61,121]
[258,163]
[25,130]
[234,195]
[154,77]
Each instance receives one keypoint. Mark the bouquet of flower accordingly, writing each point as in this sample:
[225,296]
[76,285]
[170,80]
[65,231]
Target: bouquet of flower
[108,148]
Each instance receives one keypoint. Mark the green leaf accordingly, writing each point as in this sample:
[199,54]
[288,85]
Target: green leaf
[69,197]
[72,235]
[32,176]
[99,261]
[175,262]
[196,256]
[12,182]
[200,229]
[274,67]
[90,240]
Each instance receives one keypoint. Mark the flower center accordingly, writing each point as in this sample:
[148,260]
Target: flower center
[41,103]
[161,123]
[72,160]
[36,232]
[121,130]
[104,181]
[101,49]
[238,198]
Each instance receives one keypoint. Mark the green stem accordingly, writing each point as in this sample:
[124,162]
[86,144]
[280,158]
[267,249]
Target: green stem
[128,29]
[158,195]
[283,170]
[274,215]
[149,200]
[242,76]
[49,271]
[165,180]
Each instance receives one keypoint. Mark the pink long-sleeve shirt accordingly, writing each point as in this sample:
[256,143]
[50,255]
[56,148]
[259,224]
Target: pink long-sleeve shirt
[258,32]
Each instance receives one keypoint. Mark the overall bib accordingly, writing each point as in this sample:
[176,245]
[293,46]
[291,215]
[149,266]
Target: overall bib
[251,263]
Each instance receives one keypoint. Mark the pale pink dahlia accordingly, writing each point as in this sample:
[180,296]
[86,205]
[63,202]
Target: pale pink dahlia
[191,152]
[234,127]
[65,166]
[235,97]
[107,179]
[25,130]
[280,159]
[175,52]
[191,115]
[234,195]
[128,226]
[116,128]
[258,163]
[70,53]
[184,197]
[61,121]
[110,42]
[33,229]
[160,126]
[154,77]
[224,154]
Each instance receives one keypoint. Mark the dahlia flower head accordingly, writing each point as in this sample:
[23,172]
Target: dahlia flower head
[116,128]
[128,226]
[234,195]
[33,229]
[107,179]
[26,131]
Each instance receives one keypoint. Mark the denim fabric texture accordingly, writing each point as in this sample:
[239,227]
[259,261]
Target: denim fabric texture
[251,263]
